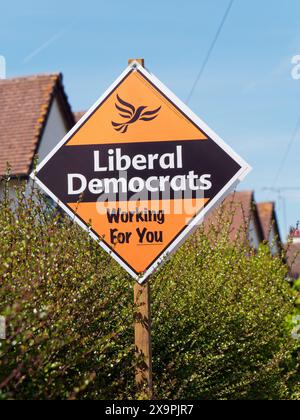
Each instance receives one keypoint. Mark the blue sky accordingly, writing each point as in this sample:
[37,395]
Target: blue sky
[246,94]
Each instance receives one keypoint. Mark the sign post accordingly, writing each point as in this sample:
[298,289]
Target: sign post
[139,172]
[143,346]
[142,326]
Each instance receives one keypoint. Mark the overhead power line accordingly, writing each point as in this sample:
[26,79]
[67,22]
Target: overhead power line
[287,151]
[209,52]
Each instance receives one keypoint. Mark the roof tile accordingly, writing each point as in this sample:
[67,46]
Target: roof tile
[266,215]
[24,107]
[237,210]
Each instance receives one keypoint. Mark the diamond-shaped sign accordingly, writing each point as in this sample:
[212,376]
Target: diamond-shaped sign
[139,171]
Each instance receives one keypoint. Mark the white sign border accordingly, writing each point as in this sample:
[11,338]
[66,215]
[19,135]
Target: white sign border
[241,174]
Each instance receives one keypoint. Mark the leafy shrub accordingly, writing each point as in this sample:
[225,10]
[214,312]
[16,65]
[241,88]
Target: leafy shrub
[294,360]
[228,340]
[67,309]
[219,312]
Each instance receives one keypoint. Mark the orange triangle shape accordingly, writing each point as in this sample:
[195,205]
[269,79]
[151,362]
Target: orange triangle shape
[138,251]
[168,123]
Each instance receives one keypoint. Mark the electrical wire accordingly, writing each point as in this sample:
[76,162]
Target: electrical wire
[209,53]
[286,154]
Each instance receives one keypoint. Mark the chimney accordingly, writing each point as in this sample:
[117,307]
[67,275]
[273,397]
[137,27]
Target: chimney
[2,67]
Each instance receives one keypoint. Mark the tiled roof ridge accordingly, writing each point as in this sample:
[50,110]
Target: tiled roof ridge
[20,79]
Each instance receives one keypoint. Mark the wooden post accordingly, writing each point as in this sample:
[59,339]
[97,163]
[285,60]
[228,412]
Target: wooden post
[141,61]
[143,347]
[142,327]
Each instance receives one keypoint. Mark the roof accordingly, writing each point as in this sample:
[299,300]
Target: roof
[293,259]
[25,106]
[78,115]
[238,209]
[268,219]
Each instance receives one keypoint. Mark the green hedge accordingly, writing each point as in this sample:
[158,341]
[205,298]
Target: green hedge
[219,315]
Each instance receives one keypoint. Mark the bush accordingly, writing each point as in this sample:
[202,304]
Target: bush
[229,339]
[219,312]
[67,309]
[294,361]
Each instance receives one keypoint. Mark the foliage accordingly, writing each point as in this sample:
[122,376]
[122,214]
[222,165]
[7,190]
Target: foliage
[229,304]
[294,360]
[219,312]
[66,306]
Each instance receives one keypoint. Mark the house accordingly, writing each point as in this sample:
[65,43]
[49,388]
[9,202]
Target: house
[237,213]
[293,252]
[270,227]
[246,220]
[35,115]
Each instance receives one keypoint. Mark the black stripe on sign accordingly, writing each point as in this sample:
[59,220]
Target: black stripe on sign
[201,157]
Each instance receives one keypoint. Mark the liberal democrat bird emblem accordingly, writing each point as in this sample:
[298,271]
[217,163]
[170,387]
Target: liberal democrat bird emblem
[132,115]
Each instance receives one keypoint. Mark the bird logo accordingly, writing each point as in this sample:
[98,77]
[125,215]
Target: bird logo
[132,115]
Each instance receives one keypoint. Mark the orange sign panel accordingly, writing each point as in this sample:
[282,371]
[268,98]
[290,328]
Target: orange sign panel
[139,171]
